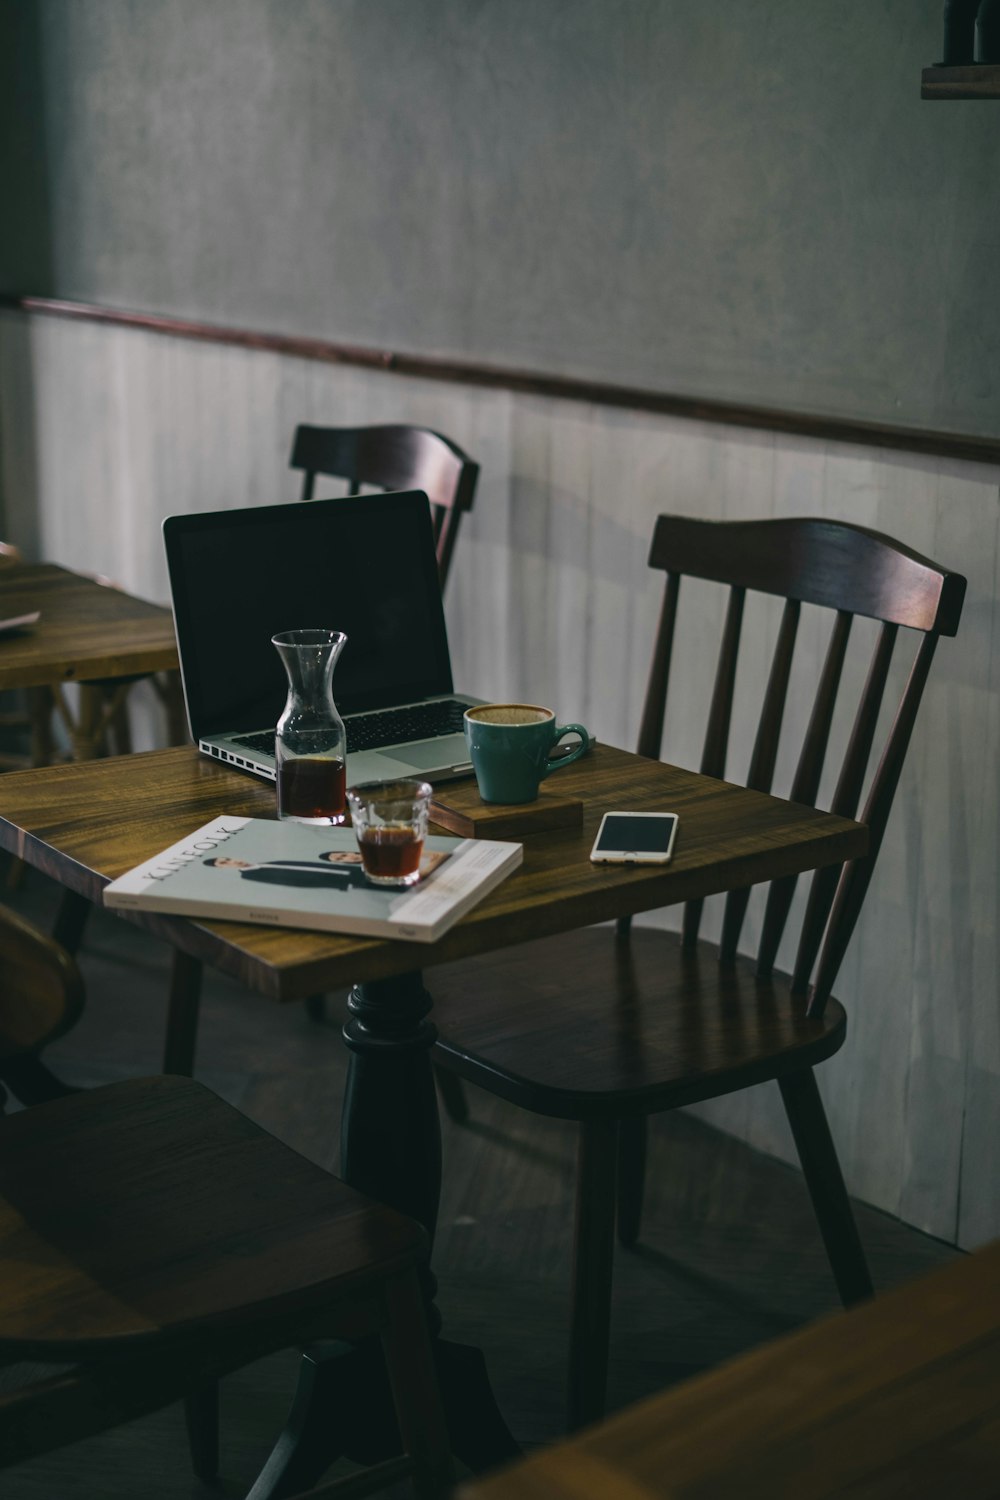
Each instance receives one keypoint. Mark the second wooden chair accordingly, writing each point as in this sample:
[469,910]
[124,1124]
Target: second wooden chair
[393,458]
[605,1029]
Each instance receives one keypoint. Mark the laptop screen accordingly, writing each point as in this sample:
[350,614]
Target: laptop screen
[362,564]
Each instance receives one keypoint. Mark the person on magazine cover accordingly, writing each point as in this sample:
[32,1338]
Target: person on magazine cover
[344,873]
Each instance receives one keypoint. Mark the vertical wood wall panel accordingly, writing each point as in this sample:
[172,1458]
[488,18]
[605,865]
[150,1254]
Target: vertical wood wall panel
[106,430]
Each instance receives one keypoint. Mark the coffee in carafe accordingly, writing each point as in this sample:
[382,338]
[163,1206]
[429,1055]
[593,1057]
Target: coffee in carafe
[310,743]
[312,788]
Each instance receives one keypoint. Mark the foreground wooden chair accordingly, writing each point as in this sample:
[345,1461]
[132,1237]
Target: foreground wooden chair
[152,1239]
[606,1028]
[41,990]
[393,458]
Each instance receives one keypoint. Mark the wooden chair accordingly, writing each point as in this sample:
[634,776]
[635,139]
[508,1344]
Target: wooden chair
[170,1241]
[606,1027]
[393,458]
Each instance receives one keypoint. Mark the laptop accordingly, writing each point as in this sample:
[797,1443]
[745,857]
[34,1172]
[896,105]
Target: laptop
[363,564]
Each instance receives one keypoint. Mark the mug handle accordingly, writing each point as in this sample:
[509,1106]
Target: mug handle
[565,760]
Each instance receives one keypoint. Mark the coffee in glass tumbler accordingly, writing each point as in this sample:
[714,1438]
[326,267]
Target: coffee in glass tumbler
[390,824]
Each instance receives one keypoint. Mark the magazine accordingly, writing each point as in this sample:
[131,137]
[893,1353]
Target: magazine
[296,875]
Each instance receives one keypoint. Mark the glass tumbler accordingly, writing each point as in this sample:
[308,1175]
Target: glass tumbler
[390,823]
[310,742]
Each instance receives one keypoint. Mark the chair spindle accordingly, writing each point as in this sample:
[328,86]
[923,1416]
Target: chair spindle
[855,877]
[805,785]
[655,702]
[765,753]
[845,804]
[654,709]
[713,760]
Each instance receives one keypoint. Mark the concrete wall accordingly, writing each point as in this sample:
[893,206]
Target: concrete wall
[745,200]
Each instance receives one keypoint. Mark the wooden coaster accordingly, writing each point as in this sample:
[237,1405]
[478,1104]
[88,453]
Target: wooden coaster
[458,807]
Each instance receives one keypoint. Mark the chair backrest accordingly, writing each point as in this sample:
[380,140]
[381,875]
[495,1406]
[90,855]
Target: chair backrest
[41,990]
[846,569]
[393,458]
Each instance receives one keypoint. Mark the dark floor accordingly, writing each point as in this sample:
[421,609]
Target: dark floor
[729,1256]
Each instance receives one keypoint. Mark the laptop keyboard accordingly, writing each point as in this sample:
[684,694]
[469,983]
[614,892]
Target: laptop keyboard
[391,726]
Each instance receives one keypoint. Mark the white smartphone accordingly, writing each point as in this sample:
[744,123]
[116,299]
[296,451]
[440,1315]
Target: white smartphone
[627,838]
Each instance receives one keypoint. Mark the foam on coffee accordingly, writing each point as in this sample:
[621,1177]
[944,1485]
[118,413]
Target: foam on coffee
[510,713]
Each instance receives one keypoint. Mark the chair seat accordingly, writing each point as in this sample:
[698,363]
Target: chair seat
[652,1026]
[216,1228]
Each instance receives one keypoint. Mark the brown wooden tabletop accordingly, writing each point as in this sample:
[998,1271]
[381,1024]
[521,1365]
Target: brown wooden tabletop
[899,1397]
[86,823]
[86,629]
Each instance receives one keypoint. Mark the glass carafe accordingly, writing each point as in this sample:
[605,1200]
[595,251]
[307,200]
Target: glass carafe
[310,741]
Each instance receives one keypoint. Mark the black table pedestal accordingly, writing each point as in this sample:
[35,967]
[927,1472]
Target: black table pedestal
[391,1150]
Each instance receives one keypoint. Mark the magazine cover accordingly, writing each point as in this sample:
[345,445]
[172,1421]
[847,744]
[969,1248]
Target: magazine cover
[294,875]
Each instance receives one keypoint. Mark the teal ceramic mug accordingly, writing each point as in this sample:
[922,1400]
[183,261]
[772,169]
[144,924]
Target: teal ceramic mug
[510,744]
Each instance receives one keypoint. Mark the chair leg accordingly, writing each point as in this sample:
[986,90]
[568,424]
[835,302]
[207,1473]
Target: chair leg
[201,1417]
[119,724]
[410,1363]
[167,686]
[182,1015]
[87,733]
[452,1095]
[825,1182]
[40,709]
[632,1135]
[593,1262]
[71,919]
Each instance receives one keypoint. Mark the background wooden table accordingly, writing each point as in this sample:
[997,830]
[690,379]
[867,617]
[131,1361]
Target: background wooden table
[90,633]
[87,629]
[899,1397]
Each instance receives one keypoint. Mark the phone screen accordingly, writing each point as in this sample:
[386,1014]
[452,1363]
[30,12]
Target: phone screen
[639,835]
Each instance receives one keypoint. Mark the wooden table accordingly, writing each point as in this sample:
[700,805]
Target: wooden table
[87,823]
[899,1397]
[88,631]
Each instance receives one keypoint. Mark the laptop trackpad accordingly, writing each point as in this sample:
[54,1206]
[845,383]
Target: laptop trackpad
[371,765]
[432,755]
[426,755]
